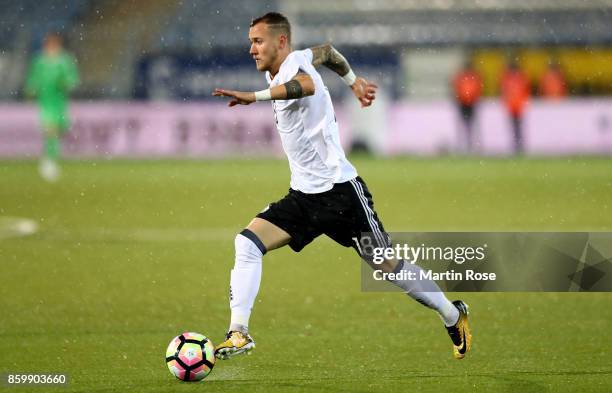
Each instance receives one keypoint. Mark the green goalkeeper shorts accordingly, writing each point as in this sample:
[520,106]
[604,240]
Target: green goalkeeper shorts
[54,119]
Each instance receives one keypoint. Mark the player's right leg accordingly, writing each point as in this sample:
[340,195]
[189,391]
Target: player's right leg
[460,333]
[251,244]
[424,291]
[428,293]
[49,169]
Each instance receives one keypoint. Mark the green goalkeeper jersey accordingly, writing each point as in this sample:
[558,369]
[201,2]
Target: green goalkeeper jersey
[50,80]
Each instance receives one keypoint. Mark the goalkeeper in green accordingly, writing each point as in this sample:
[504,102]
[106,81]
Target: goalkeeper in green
[52,75]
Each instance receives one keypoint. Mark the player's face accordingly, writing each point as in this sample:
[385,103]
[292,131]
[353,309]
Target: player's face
[52,44]
[264,46]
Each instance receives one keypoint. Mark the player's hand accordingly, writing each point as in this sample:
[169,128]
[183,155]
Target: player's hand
[238,97]
[365,91]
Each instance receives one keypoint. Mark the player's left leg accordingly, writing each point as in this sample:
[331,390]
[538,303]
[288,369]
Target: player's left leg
[467,116]
[54,123]
[259,237]
[49,169]
[251,244]
[283,222]
[517,123]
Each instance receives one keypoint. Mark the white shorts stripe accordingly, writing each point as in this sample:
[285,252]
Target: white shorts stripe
[369,213]
[377,230]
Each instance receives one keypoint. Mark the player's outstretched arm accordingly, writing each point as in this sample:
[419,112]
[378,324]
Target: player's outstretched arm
[300,86]
[329,56]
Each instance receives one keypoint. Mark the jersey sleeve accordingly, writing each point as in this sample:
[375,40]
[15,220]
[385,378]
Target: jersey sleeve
[295,63]
[308,55]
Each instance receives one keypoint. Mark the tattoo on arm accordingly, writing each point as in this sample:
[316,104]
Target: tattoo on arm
[328,56]
[294,89]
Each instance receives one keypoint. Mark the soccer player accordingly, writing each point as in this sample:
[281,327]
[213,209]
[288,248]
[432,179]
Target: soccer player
[326,195]
[52,75]
[467,86]
[515,90]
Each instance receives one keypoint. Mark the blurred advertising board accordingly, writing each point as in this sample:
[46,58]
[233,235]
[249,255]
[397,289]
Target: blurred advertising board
[211,129]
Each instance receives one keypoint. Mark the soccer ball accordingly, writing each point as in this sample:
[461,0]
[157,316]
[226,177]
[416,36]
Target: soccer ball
[190,356]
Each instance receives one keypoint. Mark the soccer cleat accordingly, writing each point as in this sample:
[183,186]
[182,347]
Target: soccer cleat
[235,343]
[460,332]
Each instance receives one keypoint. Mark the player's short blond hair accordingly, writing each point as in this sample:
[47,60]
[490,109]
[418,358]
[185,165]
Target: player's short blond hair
[276,22]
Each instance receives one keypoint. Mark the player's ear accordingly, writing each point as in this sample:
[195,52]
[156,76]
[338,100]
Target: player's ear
[283,41]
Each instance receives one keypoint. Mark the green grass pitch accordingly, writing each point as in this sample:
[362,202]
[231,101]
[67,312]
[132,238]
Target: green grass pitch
[131,253]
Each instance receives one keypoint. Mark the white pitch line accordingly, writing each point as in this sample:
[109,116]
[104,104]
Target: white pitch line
[11,227]
[23,227]
[157,234]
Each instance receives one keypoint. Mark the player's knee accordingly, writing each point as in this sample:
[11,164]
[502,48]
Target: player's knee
[248,246]
[389,265]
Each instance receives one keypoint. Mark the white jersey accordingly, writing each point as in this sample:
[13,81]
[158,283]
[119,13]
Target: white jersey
[309,131]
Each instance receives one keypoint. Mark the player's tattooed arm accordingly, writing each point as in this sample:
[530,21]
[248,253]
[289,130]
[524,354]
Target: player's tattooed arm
[294,89]
[328,56]
[300,86]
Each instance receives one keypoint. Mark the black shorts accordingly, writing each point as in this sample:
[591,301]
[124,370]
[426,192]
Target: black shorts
[467,111]
[343,213]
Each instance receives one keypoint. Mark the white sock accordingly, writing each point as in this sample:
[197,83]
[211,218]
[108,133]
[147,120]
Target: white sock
[245,279]
[428,293]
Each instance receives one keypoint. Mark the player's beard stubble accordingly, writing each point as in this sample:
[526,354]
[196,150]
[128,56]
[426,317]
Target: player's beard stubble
[266,60]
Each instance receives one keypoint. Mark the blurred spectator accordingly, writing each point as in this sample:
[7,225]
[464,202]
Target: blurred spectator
[515,90]
[52,75]
[552,83]
[467,86]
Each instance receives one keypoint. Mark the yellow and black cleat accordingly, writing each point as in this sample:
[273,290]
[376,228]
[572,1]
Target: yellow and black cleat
[235,343]
[460,332]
